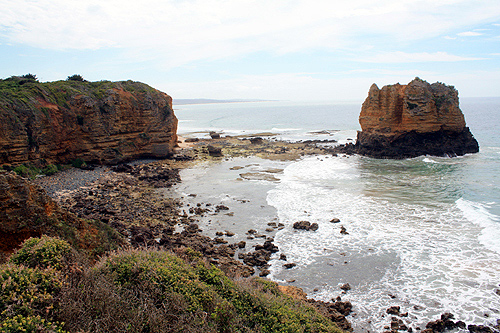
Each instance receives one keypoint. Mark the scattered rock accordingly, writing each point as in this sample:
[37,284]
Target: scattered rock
[305,225]
[343,230]
[479,329]
[218,208]
[335,220]
[264,272]
[290,265]
[256,140]
[220,240]
[215,135]
[241,244]
[214,151]
[282,257]
[345,287]
[394,310]
[229,233]
[445,323]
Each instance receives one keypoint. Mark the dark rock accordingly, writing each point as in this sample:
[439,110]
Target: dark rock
[219,240]
[214,135]
[229,233]
[335,220]
[219,233]
[289,265]
[282,257]
[479,329]
[265,272]
[242,244]
[343,230]
[305,225]
[218,208]
[345,287]
[394,310]
[214,151]
[256,140]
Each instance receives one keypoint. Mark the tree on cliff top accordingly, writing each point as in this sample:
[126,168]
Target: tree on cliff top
[75,77]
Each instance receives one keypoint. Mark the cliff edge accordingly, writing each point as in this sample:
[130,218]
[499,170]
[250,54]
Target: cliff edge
[402,121]
[97,122]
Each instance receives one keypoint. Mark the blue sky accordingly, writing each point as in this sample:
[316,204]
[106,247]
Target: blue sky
[274,49]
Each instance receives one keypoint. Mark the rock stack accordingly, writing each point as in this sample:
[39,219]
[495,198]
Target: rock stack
[403,121]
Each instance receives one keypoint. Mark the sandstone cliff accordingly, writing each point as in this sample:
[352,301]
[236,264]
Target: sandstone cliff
[400,121]
[98,122]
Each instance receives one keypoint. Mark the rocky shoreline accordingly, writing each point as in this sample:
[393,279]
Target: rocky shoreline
[127,197]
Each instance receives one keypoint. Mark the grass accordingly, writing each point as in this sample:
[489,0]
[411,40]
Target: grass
[140,291]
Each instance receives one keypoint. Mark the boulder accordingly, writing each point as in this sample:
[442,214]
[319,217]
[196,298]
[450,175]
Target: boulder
[305,225]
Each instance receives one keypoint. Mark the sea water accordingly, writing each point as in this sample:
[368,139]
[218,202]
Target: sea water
[423,233]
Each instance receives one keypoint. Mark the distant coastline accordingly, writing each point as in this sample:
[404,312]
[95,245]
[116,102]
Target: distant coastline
[187,101]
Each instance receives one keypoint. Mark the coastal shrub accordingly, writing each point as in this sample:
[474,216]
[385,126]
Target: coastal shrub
[50,169]
[29,324]
[26,171]
[158,291]
[78,163]
[43,252]
[27,291]
[75,77]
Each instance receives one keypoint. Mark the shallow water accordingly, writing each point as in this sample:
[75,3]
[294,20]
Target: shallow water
[424,233]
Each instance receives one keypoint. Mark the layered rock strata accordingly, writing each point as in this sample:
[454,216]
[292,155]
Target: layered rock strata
[97,122]
[401,121]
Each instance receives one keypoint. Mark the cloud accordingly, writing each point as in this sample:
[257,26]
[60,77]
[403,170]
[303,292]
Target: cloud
[403,57]
[184,31]
[469,34]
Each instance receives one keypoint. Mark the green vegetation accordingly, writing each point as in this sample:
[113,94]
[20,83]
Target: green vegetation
[75,77]
[140,291]
[43,252]
[31,171]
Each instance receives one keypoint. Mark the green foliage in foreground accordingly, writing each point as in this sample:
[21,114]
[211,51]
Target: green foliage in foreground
[43,252]
[141,291]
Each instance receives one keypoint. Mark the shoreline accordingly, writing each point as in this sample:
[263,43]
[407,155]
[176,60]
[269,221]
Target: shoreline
[169,235]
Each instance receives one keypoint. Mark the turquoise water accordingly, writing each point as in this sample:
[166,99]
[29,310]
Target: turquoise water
[424,233]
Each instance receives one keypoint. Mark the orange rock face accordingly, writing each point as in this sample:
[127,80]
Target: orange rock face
[417,106]
[404,121]
[27,211]
[97,122]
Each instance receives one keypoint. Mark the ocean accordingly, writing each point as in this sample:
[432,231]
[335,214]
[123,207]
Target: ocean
[423,233]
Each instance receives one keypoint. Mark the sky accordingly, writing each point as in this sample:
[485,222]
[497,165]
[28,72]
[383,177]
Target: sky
[254,49]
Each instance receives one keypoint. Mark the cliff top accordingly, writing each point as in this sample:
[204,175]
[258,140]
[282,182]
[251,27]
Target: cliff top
[418,106]
[26,91]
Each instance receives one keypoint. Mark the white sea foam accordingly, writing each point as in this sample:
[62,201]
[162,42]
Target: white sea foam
[427,255]
[429,160]
[478,214]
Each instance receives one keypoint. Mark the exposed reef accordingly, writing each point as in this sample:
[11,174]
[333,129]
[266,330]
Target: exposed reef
[96,122]
[403,121]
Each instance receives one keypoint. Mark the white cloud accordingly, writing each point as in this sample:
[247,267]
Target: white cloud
[403,57]
[179,32]
[469,34]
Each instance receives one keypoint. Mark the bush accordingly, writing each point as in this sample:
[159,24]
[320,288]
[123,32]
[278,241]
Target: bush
[50,169]
[43,252]
[27,291]
[29,324]
[156,291]
[75,77]
[78,163]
